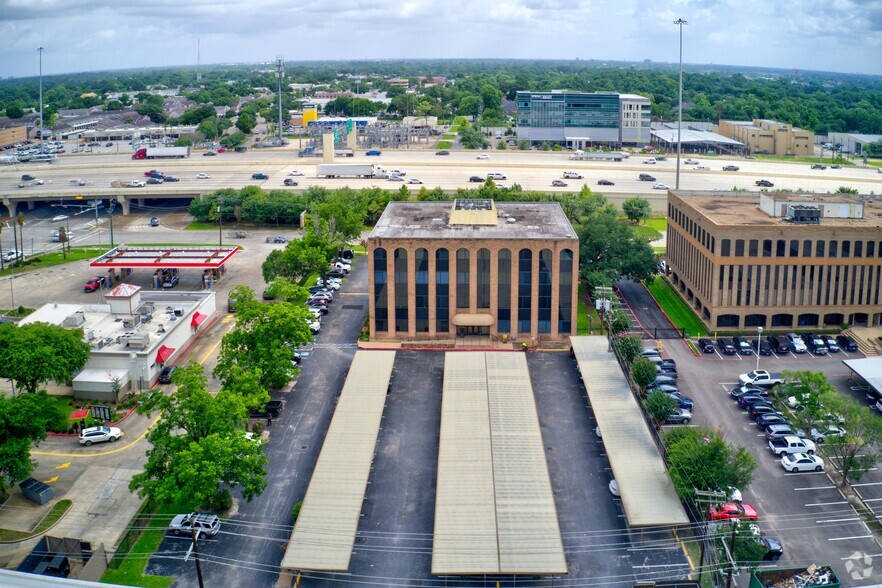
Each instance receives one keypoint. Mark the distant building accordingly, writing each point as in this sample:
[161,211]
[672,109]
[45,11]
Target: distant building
[13,134]
[580,120]
[853,142]
[769,136]
[473,268]
[780,261]
[403,82]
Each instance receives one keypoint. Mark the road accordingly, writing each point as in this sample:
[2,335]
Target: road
[532,170]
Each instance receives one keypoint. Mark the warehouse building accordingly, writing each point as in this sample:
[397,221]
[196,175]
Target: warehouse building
[473,269]
[778,261]
[770,137]
[579,120]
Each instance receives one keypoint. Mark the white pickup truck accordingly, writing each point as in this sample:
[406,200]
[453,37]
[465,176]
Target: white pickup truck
[761,378]
[791,444]
[571,175]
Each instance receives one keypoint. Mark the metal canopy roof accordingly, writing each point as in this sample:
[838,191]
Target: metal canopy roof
[166,257]
[494,509]
[869,369]
[695,136]
[647,492]
[325,530]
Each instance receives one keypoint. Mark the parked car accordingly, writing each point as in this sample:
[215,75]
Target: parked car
[726,346]
[94,283]
[791,444]
[765,420]
[732,510]
[802,462]
[605,183]
[779,344]
[796,343]
[166,374]
[170,282]
[846,343]
[99,434]
[705,345]
[202,524]
[762,347]
[682,401]
[745,400]
[759,409]
[830,343]
[742,390]
[742,345]
[814,343]
[822,433]
[373,152]
[778,431]
[680,417]
[662,379]
[666,388]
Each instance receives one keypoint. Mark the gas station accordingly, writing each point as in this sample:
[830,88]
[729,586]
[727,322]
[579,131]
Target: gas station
[167,261]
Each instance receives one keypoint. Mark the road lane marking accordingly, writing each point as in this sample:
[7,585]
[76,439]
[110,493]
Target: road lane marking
[50,480]
[62,466]
[110,452]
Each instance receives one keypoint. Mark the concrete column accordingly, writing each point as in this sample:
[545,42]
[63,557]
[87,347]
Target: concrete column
[10,205]
[30,204]
[433,309]
[494,290]
[411,292]
[328,147]
[124,203]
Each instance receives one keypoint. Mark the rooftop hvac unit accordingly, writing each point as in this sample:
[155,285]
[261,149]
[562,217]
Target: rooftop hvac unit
[179,312]
[77,319]
[803,214]
[133,320]
[139,341]
[98,344]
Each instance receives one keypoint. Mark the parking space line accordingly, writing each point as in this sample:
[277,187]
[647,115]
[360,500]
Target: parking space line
[816,487]
[867,484]
[847,538]
[806,474]
[826,503]
[872,499]
[837,520]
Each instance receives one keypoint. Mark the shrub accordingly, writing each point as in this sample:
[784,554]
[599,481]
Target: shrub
[629,347]
[844,326]
[257,428]
[643,371]
[295,512]
[220,501]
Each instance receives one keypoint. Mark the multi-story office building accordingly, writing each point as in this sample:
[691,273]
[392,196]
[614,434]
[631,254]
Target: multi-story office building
[579,120]
[779,261]
[770,136]
[504,271]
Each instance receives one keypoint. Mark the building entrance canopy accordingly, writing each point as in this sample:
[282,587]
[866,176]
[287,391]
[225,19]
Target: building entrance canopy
[472,320]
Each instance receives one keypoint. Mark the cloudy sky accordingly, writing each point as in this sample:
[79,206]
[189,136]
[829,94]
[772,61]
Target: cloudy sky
[86,35]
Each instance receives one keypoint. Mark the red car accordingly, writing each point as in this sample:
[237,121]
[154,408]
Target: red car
[222,150]
[733,510]
[151,172]
[94,283]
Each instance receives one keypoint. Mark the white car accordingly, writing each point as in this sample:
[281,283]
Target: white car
[295,172]
[203,176]
[136,184]
[796,343]
[702,167]
[496,176]
[822,432]
[91,435]
[660,186]
[482,156]
[614,488]
[78,182]
[691,161]
[11,255]
[802,462]
[315,326]
[396,172]
[59,218]
[651,161]
[414,181]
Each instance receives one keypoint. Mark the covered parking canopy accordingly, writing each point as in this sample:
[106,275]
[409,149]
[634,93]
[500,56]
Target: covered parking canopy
[869,369]
[647,492]
[695,138]
[165,257]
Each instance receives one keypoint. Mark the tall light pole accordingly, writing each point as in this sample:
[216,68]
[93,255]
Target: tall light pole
[220,227]
[280,73]
[680,22]
[759,334]
[41,96]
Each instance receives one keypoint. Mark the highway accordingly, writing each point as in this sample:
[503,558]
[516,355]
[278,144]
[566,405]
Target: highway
[531,170]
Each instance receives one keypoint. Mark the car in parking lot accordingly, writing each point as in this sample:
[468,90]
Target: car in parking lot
[830,343]
[94,283]
[742,345]
[846,343]
[759,409]
[762,347]
[705,345]
[166,374]
[203,524]
[682,401]
[99,434]
[796,343]
[822,433]
[814,343]
[732,510]
[666,388]
[778,431]
[726,346]
[779,344]
[765,420]
[605,183]
[791,444]
[802,462]
[748,389]
[745,400]
[680,417]
[170,282]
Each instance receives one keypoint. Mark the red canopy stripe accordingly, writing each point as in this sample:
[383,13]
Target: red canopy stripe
[164,353]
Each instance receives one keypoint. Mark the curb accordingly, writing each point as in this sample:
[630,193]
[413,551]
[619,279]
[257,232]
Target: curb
[44,531]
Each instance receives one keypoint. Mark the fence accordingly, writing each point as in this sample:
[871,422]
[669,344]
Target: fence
[136,527]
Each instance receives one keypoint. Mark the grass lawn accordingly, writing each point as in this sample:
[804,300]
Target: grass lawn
[647,232]
[50,519]
[678,311]
[695,555]
[43,260]
[790,159]
[587,320]
[65,402]
[199,226]
[659,223]
[131,571]
[445,144]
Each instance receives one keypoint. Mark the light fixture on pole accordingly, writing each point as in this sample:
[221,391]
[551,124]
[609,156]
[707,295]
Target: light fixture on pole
[680,22]
[759,334]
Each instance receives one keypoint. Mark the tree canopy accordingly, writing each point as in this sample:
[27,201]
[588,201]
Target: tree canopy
[36,353]
[24,420]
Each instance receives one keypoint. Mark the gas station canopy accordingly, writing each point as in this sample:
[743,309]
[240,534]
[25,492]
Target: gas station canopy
[165,257]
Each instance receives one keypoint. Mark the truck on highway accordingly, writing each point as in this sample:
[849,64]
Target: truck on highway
[355,170]
[760,378]
[8,159]
[162,153]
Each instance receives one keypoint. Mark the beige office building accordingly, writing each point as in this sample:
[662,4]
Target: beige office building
[778,261]
[769,137]
[488,271]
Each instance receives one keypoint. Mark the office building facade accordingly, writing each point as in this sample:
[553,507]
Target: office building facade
[580,120]
[780,261]
[442,270]
[770,137]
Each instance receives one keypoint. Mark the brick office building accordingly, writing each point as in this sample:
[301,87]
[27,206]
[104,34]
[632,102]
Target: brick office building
[473,268]
[780,261]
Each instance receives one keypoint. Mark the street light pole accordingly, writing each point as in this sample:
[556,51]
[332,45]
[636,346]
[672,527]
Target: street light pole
[110,214]
[759,334]
[280,73]
[220,227]
[41,96]
[680,22]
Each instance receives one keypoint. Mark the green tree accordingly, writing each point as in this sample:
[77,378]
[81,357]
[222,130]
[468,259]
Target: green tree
[36,353]
[812,392]
[857,451]
[183,142]
[300,259]
[629,346]
[700,459]
[610,246]
[643,371]
[24,420]
[659,406]
[245,122]
[637,209]
[198,445]
[617,322]
[501,145]
[14,110]
[208,128]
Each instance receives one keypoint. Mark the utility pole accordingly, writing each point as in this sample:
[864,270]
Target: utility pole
[732,553]
[41,97]
[704,498]
[280,73]
[110,208]
[680,22]
[195,535]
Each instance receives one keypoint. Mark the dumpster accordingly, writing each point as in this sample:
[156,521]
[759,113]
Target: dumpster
[36,491]
[816,576]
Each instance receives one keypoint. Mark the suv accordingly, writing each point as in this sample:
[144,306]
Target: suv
[742,345]
[830,343]
[764,183]
[779,344]
[496,176]
[818,166]
[814,343]
[290,182]
[259,176]
[204,524]
[647,178]
[726,346]
[846,343]
[796,343]
[91,435]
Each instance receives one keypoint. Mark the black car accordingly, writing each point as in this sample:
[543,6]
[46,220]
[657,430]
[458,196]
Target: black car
[166,374]
[705,345]
[771,419]
[779,344]
[209,154]
[757,410]
[476,179]
[27,177]
[774,548]
[154,222]
[814,343]
[742,345]
[742,390]
[762,347]
[726,346]
[605,183]
[846,343]
[764,183]
[442,152]
[172,179]
[746,400]
[830,343]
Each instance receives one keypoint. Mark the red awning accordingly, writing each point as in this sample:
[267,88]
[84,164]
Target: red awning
[197,319]
[164,353]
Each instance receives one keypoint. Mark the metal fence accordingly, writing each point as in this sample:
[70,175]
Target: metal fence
[136,528]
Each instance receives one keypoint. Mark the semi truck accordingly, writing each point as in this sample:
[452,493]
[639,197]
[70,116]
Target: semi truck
[162,153]
[354,170]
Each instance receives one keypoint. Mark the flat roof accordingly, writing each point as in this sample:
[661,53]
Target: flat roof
[324,533]
[647,492]
[166,257]
[494,506]
[738,209]
[869,369]
[431,220]
[695,136]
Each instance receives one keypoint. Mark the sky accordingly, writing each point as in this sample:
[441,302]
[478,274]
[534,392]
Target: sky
[89,35]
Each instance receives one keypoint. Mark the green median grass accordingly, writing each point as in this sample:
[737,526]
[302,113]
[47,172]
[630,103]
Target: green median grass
[677,310]
[57,511]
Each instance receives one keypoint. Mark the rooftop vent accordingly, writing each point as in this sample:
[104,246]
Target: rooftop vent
[803,214]
[75,320]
